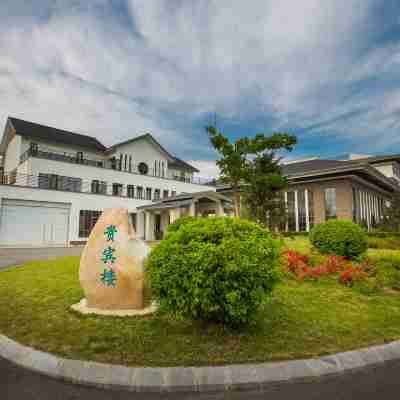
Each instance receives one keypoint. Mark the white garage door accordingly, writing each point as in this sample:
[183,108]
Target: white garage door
[33,223]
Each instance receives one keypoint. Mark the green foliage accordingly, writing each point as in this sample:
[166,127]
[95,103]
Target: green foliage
[179,222]
[391,219]
[387,269]
[339,237]
[215,269]
[251,164]
[390,243]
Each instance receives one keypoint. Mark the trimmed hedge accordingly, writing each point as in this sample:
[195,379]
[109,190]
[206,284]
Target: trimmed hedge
[214,269]
[339,237]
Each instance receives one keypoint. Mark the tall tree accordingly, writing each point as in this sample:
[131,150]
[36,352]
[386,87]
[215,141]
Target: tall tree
[251,165]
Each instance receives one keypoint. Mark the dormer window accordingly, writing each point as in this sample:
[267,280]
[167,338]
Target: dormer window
[79,157]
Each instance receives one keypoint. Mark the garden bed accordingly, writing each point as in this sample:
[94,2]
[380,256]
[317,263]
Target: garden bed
[303,319]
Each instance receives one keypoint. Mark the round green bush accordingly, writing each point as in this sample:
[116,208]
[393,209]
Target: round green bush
[214,269]
[340,237]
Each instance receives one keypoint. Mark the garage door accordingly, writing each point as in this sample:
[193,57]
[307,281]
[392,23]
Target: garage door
[33,223]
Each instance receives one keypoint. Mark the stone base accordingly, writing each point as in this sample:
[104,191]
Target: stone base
[84,309]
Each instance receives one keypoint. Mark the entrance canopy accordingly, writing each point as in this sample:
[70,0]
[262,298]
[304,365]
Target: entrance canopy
[158,215]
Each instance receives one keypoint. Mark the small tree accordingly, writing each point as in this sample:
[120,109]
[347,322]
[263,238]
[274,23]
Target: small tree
[265,182]
[251,164]
[231,164]
[391,218]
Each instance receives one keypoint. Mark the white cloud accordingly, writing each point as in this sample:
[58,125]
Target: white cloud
[84,67]
[208,169]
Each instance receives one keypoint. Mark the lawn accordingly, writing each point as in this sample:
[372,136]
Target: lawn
[302,319]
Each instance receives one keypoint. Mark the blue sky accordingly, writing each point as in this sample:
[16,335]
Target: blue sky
[327,71]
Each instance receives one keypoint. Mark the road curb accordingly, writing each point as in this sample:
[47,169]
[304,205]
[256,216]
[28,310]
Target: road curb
[172,379]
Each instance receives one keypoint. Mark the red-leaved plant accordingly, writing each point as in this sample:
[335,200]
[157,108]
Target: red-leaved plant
[298,264]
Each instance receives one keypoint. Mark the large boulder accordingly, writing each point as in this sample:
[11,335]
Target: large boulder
[112,264]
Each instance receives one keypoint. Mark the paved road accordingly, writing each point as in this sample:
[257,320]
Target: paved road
[378,384]
[12,256]
[17,383]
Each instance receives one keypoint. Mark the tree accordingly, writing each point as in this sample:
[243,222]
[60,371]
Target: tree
[232,162]
[251,165]
[391,218]
[263,191]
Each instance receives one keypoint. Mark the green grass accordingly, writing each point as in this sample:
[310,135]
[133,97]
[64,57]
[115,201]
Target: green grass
[301,320]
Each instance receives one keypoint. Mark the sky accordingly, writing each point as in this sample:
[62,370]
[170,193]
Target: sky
[326,71]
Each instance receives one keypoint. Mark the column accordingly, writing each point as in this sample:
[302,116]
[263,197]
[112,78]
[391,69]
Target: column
[220,209]
[296,209]
[149,234]
[286,205]
[192,209]
[307,210]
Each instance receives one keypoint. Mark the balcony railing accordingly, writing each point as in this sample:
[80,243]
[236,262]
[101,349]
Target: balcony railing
[112,163]
[78,185]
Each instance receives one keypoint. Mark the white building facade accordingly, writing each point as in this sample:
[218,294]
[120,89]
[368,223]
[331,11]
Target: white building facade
[55,183]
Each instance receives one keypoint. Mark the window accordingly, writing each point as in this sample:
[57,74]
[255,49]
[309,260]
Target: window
[163,168]
[165,194]
[173,193]
[157,194]
[69,184]
[130,191]
[125,162]
[113,162]
[79,157]
[120,162]
[148,193]
[57,182]
[291,211]
[139,192]
[130,163]
[330,203]
[99,187]
[310,195]
[301,199]
[117,189]
[155,168]
[87,220]
[33,148]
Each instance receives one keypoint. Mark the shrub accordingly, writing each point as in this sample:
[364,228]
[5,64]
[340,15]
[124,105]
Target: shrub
[179,222]
[339,237]
[215,269]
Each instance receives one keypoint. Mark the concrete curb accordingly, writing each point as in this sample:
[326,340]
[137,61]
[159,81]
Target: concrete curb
[171,379]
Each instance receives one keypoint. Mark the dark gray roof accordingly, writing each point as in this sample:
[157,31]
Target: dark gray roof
[43,132]
[312,165]
[182,164]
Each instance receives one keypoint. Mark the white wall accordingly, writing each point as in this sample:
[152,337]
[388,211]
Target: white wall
[142,150]
[12,155]
[385,169]
[78,201]
[88,173]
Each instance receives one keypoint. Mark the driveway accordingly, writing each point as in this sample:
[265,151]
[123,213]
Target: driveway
[14,256]
[381,383]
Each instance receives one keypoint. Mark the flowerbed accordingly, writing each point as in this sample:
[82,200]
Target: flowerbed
[346,271]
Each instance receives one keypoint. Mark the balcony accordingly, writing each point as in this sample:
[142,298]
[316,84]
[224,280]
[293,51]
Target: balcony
[111,163]
[78,185]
